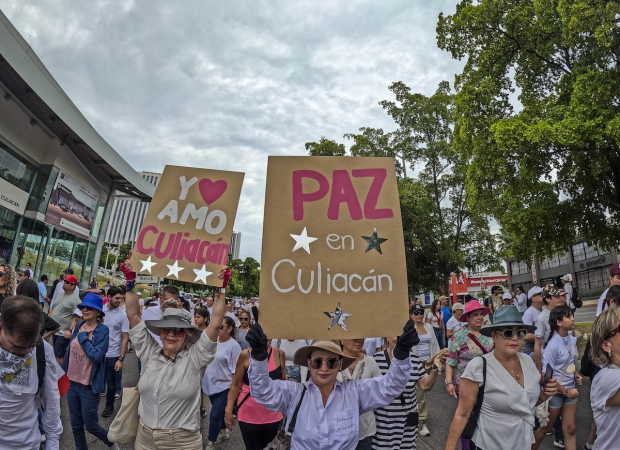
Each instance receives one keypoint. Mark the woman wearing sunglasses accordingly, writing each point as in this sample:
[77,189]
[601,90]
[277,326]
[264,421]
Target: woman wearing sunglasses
[170,382]
[217,379]
[511,389]
[84,364]
[561,353]
[605,391]
[326,411]
[245,318]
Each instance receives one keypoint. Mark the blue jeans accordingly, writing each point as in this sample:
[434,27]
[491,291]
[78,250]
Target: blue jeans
[439,336]
[216,416]
[83,412]
[113,379]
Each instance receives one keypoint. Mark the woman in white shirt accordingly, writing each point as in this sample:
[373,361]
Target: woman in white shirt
[427,347]
[170,383]
[325,412]
[605,391]
[218,378]
[454,324]
[561,353]
[511,389]
[435,318]
[363,367]
[293,371]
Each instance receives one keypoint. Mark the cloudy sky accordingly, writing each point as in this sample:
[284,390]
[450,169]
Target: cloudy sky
[222,85]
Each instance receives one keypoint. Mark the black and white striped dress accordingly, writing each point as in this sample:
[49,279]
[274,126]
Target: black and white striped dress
[391,431]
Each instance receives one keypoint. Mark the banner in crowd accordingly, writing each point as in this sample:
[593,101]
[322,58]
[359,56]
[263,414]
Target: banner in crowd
[333,259]
[71,206]
[187,229]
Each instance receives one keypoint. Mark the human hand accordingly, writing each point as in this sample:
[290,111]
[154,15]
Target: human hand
[118,366]
[578,379]
[572,393]
[451,390]
[225,274]
[406,341]
[67,334]
[551,388]
[229,419]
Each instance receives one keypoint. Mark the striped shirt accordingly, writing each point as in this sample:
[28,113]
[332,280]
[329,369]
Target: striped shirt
[391,431]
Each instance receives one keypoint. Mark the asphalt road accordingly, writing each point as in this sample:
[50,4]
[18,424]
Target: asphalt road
[441,411]
[585,314]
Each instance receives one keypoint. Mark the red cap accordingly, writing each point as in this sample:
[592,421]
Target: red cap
[71,279]
[614,270]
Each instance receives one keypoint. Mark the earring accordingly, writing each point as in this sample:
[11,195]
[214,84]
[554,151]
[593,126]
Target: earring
[609,353]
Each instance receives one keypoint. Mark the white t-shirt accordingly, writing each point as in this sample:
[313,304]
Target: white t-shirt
[289,348]
[433,318]
[117,321]
[219,373]
[604,386]
[530,315]
[371,344]
[521,302]
[153,312]
[59,291]
[542,326]
[454,324]
[601,301]
[569,295]
[424,347]
[559,354]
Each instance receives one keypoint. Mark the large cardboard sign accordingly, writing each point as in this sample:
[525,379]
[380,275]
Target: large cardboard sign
[187,229]
[71,206]
[333,260]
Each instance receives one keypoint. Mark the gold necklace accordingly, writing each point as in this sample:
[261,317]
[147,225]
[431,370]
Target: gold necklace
[514,374]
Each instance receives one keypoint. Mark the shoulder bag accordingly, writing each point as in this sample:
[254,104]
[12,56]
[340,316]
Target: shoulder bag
[124,427]
[472,423]
[412,416]
[282,440]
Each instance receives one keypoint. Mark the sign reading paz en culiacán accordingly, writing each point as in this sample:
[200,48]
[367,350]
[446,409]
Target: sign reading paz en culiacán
[187,229]
[333,259]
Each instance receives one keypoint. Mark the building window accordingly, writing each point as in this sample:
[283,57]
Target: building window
[556,261]
[583,251]
[15,170]
[593,280]
[518,268]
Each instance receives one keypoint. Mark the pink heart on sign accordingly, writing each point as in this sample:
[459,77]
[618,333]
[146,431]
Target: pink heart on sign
[212,190]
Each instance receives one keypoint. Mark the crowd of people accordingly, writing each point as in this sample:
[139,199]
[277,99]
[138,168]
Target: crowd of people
[510,363]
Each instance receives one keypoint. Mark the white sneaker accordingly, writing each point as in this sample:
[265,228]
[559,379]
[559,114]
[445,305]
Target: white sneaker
[424,431]
[222,437]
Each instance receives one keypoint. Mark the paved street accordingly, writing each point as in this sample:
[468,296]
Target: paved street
[585,313]
[441,411]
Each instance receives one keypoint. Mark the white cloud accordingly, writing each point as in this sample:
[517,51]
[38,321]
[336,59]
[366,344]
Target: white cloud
[223,85]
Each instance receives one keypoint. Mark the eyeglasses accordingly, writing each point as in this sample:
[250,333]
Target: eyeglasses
[178,332]
[509,333]
[317,362]
[68,282]
[86,308]
[418,313]
[612,333]
[244,318]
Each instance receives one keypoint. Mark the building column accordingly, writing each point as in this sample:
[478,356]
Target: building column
[13,259]
[47,247]
[107,211]
[84,264]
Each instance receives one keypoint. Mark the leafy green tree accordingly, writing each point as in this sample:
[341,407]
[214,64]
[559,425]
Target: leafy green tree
[549,170]
[374,142]
[325,147]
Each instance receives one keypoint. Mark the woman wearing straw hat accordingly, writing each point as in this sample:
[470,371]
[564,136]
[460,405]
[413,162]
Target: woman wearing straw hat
[169,386]
[328,416]
[466,344]
[511,389]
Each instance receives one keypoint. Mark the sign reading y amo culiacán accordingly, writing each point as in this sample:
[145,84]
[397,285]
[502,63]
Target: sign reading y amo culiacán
[333,259]
[187,229]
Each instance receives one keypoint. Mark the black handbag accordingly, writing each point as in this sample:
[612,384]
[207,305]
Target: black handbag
[412,416]
[472,423]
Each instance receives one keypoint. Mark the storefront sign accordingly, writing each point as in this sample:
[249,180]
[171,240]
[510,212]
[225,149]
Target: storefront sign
[146,279]
[333,249]
[187,229]
[12,197]
[71,206]
[595,262]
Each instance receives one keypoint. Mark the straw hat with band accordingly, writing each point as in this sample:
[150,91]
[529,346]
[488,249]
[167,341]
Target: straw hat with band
[175,318]
[301,355]
[507,316]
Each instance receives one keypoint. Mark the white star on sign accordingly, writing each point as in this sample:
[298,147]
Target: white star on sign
[202,274]
[303,241]
[174,269]
[147,265]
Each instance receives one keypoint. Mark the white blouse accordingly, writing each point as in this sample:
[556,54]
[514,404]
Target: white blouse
[604,386]
[507,413]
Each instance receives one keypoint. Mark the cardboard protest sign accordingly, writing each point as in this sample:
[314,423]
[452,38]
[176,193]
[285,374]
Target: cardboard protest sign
[187,229]
[333,260]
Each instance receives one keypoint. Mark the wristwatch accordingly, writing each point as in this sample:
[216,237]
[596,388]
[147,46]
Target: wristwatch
[121,358]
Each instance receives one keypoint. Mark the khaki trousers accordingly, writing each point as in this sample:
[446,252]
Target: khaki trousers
[167,439]
[422,405]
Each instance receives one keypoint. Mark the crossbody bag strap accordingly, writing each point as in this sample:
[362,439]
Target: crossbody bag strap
[477,342]
[291,425]
[480,397]
[41,363]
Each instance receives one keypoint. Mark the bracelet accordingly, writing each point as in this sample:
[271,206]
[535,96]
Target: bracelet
[541,400]
[448,382]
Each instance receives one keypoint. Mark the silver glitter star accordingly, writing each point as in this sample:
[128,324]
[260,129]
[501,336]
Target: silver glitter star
[338,318]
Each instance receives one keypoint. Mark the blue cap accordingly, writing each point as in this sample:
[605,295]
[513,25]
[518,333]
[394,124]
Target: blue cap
[94,301]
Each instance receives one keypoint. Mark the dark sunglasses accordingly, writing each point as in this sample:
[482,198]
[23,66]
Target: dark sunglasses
[244,318]
[331,363]
[68,282]
[86,308]
[612,333]
[509,333]
[418,313]
[178,332]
